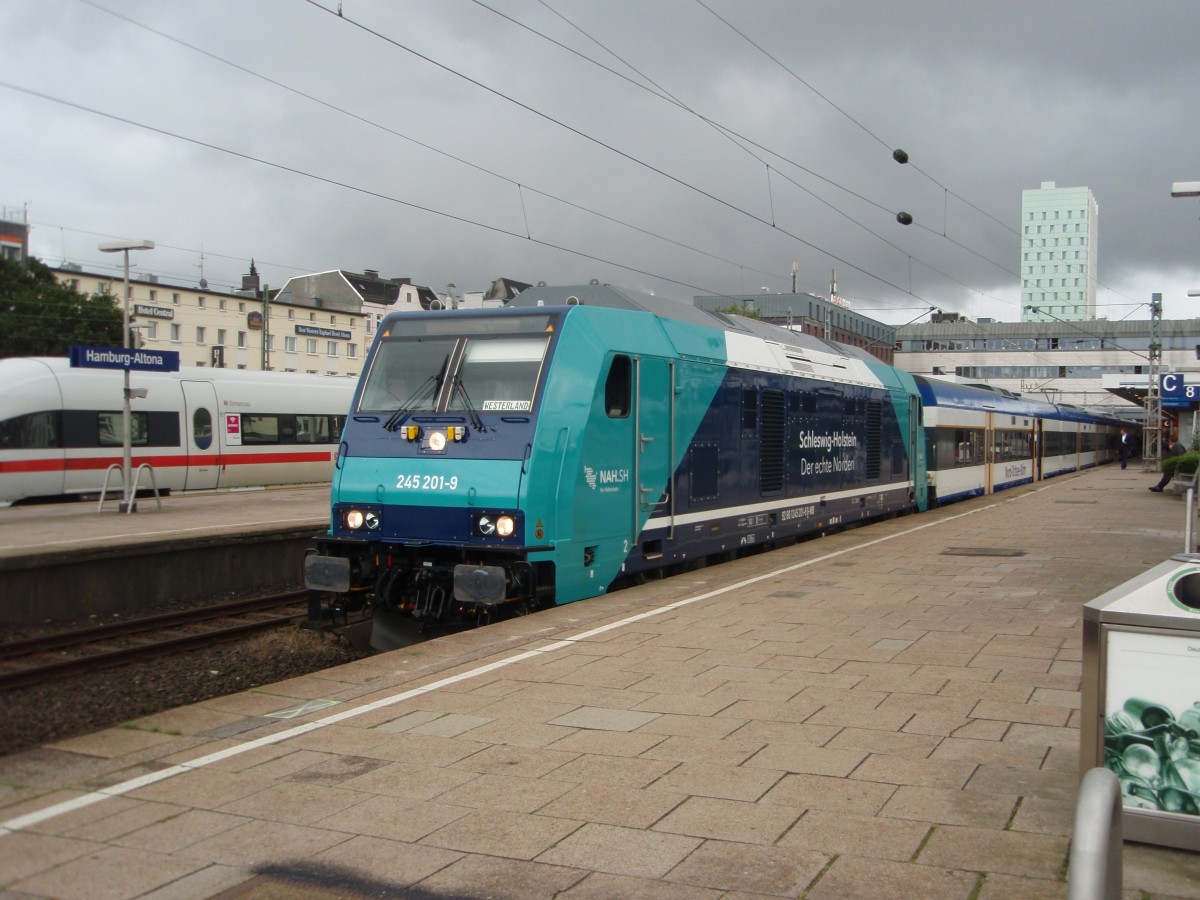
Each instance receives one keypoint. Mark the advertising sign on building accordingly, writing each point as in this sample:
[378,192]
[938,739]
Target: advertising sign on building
[314,331]
[152,312]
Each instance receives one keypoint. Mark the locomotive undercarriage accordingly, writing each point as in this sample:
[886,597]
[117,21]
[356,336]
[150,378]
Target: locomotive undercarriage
[433,587]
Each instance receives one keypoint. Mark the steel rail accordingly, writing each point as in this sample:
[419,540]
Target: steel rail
[98,633]
[38,673]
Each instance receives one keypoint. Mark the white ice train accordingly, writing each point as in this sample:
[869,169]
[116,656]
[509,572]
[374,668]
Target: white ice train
[198,428]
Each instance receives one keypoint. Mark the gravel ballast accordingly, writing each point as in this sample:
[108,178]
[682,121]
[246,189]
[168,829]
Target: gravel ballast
[79,704]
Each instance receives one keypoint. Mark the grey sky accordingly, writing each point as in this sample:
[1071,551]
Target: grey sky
[987,98]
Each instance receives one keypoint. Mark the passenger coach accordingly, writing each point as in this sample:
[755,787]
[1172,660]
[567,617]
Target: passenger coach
[199,428]
[980,439]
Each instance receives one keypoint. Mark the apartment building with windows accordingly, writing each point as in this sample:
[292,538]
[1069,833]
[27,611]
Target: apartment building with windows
[372,296]
[1058,253]
[234,330]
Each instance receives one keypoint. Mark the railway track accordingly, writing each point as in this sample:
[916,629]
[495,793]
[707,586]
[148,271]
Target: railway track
[47,657]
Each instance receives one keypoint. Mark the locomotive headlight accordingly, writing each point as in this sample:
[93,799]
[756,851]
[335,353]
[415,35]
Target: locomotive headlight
[359,519]
[437,441]
[498,525]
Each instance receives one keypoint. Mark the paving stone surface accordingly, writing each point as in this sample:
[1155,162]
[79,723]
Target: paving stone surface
[893,711]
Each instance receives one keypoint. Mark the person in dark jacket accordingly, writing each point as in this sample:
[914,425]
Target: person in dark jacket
[1175,450]
[1126,446]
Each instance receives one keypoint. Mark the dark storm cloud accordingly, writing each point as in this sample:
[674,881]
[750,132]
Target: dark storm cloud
[988,98]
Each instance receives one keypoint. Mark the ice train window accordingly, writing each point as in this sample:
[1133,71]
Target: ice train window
[33,431]
[312,430]
[260,429]
[110,424]
[202,428]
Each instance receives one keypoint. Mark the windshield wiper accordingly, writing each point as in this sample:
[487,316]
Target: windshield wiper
[467,405]
[428,387]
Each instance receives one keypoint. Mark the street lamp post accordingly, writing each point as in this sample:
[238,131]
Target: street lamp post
[123,247]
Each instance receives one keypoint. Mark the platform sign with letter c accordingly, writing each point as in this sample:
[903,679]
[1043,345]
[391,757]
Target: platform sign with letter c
[233,430]
[1176,392]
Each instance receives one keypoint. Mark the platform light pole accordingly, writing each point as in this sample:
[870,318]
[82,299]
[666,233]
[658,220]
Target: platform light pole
[1188,189]
[123,247]
[1152,424]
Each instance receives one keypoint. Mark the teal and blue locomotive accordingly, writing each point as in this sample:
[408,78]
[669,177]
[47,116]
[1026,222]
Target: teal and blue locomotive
[538,454]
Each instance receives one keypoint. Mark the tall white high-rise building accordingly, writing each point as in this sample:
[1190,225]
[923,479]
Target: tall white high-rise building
[1058,253]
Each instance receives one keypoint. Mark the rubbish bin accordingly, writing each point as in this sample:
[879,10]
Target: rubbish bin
[1141,699]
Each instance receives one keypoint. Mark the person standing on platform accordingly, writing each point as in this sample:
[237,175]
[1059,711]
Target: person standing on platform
[1124,447]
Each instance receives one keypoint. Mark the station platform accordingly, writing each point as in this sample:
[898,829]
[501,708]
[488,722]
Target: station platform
[67,561]
[51,529]
[892,711]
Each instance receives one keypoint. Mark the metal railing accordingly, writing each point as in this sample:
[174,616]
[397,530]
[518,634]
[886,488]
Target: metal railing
[1189,512]
[137,475]
[1095,871]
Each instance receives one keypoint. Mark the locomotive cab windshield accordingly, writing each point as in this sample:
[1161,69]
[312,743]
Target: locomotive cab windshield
[432,366]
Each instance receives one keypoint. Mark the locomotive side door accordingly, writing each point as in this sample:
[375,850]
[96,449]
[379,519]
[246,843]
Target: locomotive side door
[654,496]
[201,426]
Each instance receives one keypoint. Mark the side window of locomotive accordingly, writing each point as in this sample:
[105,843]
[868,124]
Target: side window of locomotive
[260,429]
[618,388]
[35,431]
[202,431]
[109,429]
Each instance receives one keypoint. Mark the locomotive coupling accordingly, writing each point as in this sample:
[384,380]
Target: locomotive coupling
[485,585]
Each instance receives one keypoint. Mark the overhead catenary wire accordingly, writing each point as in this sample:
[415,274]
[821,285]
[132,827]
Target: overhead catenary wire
[356,188]
[520,187]
[947,192]
[423,144]
[851,118]
[604,145]
[742,141]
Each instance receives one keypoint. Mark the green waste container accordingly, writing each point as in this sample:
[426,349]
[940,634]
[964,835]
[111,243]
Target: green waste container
[1141,700]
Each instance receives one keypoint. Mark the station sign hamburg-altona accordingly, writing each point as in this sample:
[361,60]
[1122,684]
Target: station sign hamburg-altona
[124,358]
